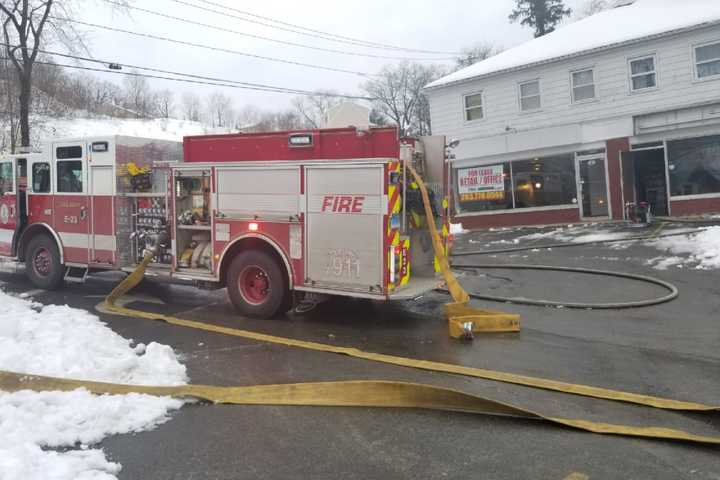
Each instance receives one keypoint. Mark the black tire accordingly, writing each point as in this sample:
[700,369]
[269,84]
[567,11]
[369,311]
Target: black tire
[257,284]
[42,263]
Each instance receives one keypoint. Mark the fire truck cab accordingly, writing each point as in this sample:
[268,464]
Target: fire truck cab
[274,217]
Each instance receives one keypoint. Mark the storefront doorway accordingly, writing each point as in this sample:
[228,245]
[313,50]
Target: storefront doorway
[645,179]
[592,186]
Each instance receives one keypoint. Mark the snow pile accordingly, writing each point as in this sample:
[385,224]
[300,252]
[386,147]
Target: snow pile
[66,342]
[701,250]
[614,26]
[575,234]
[457,229]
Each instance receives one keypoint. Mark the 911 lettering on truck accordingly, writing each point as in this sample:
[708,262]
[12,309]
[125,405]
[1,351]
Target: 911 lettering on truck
[275,220]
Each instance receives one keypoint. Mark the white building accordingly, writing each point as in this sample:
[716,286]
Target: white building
[620,107]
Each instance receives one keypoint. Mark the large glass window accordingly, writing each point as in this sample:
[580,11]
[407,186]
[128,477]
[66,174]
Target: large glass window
[545,182]
[707,60]
[541,182]
[473,106]
[694,166]
[69,176]
[642,73]
[484,188]
[6,178]
[41,177]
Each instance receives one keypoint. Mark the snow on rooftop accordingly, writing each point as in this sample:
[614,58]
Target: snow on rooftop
[641,19]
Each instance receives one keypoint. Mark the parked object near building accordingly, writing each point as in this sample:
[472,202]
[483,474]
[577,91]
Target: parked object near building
[620,107]
[271,216]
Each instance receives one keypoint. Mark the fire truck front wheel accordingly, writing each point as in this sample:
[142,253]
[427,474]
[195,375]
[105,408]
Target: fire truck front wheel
[257,284]
[42,263]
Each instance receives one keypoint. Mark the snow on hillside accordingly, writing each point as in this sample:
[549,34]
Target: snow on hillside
[50,128]
[50,434]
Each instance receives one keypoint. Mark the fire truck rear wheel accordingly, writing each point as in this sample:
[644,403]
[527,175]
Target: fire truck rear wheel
[257,284]
[42,263]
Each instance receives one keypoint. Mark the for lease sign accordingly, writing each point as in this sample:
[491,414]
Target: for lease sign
[481,179]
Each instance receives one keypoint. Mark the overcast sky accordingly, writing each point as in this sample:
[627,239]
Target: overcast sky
[447,25]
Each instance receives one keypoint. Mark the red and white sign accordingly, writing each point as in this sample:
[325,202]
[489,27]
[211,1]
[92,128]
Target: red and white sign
[490,178]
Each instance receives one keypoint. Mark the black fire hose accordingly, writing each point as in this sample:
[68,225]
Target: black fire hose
[673,291]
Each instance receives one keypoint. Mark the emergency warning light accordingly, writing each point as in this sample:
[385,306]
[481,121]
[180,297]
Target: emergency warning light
[300,140]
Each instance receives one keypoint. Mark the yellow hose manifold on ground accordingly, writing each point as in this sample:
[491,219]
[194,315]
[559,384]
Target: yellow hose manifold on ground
[463,320]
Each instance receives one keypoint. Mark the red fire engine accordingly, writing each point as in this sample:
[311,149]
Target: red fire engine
[274,217]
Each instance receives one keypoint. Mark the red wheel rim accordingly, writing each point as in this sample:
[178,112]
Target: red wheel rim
[254,285]
[42,262]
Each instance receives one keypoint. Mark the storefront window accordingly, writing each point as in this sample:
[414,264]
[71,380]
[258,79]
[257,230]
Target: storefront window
[544,182]
[484,188]
[694,166]
[541,182]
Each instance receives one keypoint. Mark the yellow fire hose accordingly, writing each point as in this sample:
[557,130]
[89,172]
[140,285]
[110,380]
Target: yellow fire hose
[381,394]
[463,320]
[375,393]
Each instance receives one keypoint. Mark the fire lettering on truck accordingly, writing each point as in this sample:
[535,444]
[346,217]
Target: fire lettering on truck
[343,203]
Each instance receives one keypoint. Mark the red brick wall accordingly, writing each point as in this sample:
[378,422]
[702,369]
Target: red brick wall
[547,217]
[614,149]
[692,207]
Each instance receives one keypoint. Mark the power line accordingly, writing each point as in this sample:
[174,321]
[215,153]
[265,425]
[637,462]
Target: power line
[307,31]
[260,37]
[210,47]
[194,79]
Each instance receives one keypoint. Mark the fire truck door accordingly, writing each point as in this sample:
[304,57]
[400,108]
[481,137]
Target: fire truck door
[102,213]
[8,205]
[71,211]
[344,231]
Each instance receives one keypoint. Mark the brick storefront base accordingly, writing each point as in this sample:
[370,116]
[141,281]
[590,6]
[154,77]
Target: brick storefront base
[547,217]
[680,208]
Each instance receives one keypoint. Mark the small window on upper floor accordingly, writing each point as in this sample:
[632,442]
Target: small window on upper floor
[473,105]
[643,73]
[707,61]
[583,85]
[530,95]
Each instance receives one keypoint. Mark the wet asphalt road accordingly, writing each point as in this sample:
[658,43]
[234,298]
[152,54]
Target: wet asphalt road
[668,350]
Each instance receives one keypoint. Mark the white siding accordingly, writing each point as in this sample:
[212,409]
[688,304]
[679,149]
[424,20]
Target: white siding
[503,118]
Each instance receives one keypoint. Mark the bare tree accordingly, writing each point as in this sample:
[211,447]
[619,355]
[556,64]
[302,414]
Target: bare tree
[138,96]
[247,118]
[26,24]
[191,107]
[313,109]
[397,94]
[165,103]
[475,54]
[220,109]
